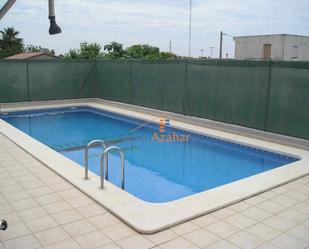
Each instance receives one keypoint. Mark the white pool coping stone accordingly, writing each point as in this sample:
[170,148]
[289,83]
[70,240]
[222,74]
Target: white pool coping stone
[144,217]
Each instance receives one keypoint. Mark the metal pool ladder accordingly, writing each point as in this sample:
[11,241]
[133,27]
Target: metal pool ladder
[86,156]
[104,161]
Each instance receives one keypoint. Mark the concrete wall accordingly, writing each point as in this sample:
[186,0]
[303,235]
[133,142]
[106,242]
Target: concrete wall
[251,47]
[301,42]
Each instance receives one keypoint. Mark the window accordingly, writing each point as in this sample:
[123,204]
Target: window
[295,52]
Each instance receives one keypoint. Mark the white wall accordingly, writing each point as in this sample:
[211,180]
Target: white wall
[302,42]
[251,47]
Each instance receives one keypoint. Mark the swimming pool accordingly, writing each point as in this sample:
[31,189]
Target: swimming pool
[156,171]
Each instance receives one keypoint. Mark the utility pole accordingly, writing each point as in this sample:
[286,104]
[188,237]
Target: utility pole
[221,44]
[5,8]
[170,46]
[190,28]
[202,51]
[211,49]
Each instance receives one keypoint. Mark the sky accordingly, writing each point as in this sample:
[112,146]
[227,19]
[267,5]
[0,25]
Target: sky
[156,22]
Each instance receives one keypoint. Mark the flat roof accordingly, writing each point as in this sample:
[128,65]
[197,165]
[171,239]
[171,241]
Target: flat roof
[247,36]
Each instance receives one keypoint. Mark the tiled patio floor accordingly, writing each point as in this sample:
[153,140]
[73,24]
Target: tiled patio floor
[44,211]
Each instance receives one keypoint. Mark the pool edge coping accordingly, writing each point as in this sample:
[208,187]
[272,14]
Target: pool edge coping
[145,217]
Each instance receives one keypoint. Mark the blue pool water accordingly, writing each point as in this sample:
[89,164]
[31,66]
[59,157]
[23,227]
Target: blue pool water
[155,171]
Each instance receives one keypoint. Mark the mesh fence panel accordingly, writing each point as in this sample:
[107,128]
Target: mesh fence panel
[232,92]
[288,111]
[271,96]
[13,81]
[62,79]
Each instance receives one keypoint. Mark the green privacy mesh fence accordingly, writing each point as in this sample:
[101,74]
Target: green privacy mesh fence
[270,96]
[25,80]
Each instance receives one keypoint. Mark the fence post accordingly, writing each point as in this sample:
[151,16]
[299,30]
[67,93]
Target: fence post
[268,95]
[185,99]
[28,83]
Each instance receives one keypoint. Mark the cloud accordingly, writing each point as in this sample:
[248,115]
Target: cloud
[156,21]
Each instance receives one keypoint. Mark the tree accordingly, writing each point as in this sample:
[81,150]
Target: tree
[10,44]
[86,51]
[33,48]
[148,52]
[115,50]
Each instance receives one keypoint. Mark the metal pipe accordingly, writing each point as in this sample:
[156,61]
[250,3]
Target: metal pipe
[5,8]
[51,8]
[86,156]
[104,162]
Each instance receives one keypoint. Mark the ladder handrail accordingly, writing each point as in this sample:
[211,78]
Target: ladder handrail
[104,161]
[86,156]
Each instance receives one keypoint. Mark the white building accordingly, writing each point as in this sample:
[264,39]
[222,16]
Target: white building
[276,47]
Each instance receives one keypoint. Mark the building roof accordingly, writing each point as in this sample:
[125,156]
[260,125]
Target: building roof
[28,55]
[246,36]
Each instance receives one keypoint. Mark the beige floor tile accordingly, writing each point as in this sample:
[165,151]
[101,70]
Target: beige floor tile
[162,237]
[302,207]
[104,220]
[40,224]
[240,221]
[256,213]
[134,242]
[79,227]
[14,231]
[16,196]
[279,223]
[36,192]
[51,236]
[118,231]
[205,220]
[91,210]
[297,195]
[25,242]
[222,244]
[11,218]
[284,200]
[48,198]
[32,184]
[240,206]
[185,228]
[268,195]
[285,241]
[223,213]
[11,189]
[70,193]
[65,244]
[263,231]
[202,238]
[271,207]
[267,246]
[300,232]
[92,240]
[5,209]
[32,213]
[79,201]
[222,229]
[61,186]
[253,201]
[245,240]
[293,215]
[110,246]
[178,243]
[57,207]
[24,204]
[67,216]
